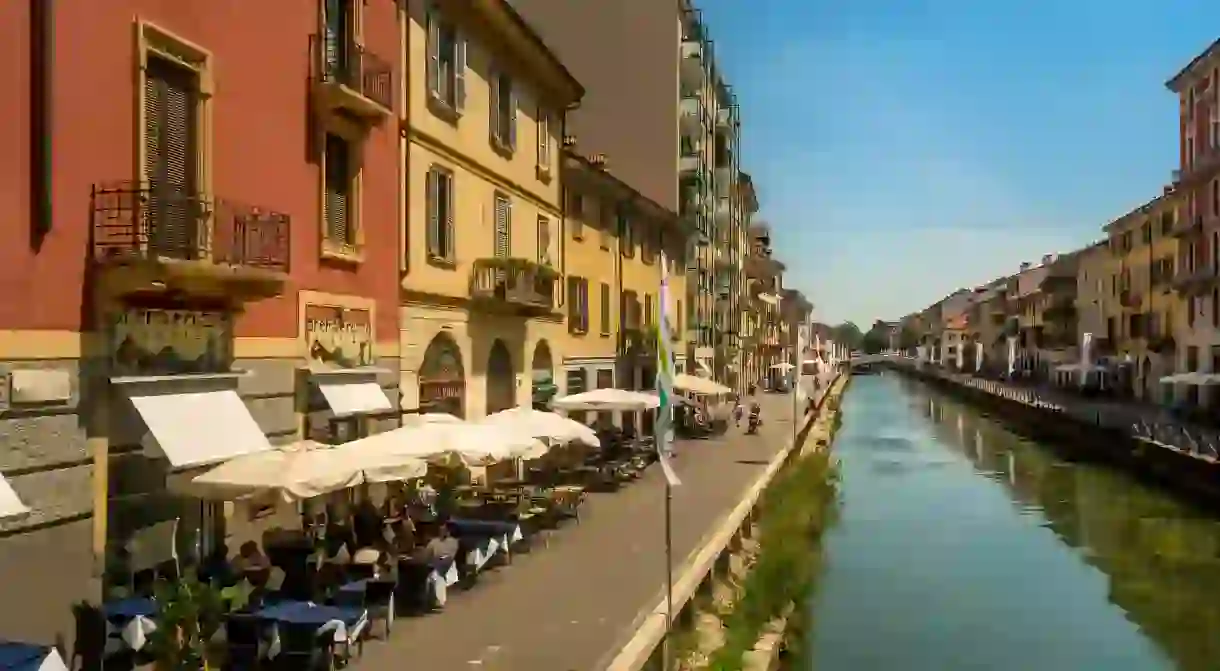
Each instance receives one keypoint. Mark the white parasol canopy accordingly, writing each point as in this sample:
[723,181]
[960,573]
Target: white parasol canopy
[607,399]
[699,385]
[10,504]
[431,418]
[301,471]
[474,444]
[544,425]
[783,365]
[1192,379]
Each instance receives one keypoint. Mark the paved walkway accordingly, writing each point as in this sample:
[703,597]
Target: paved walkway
[570,606]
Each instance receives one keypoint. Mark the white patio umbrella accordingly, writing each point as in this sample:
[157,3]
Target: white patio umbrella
[474,444]
[10,504]
[783,365]
[431,418]
[301,471]
[699,385]
[607,399]
[545,425]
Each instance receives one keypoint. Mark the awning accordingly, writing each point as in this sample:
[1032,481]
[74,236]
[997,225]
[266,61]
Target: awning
[198,428]
[355,397]
[10,505]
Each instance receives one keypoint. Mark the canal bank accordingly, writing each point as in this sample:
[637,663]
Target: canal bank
[1081,430]
[961,544]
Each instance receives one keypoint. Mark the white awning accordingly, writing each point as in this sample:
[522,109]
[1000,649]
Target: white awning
[10,505]
[198,428]
[355,397]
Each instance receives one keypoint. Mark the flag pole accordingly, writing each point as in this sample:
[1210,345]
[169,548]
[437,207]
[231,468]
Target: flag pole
[664,434]
[666,648]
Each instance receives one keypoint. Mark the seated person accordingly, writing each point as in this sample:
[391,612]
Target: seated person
[402,541]
[366,523]
[215,567]
[252,564]
[443,544]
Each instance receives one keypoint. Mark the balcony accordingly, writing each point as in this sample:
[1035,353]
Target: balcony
[351,81]
[513,286]
[1129,299]
[1192,281]
[724,119]
[689,165]
[1204,167]
[1187,226]
[724,211]
[156,239]
[690,116]
[1060,311]
[761,267]
[723,176]
[692,72]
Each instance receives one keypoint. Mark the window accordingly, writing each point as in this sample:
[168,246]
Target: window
[504,224]
[626,235]
[544,240]
[647,310]
[544,142]
[1146,233]
[1215,308]
[1216,197]
[440,234]
[503,112]
[171,157]
[605,234]
[575,215]
[678,320]
[578,305]
[605,309]
[1166,223]
[446,63]
[339,202]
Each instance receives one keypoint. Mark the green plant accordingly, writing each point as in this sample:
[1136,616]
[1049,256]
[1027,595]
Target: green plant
[795,512]
[189,613]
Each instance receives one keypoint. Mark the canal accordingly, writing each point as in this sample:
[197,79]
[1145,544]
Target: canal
[961,545]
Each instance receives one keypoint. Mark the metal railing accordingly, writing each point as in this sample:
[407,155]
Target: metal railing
[341,61]
[520,283]
[151,220]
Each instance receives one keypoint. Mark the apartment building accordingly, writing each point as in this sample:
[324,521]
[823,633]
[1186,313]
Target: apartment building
[1092,296]
[1197,183]
[482,306]
[1141,305]
[748,359]
[1058,335]
[764,277]
[988,315]
[233,284]
[613,248]
[671,129]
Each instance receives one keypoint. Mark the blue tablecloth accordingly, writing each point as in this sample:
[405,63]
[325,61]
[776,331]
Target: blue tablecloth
[22,656]
[303,612]
[461,526]
[129,608]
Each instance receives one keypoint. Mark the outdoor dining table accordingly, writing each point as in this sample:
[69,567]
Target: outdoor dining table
[29,657]
[345,622]
[131,619]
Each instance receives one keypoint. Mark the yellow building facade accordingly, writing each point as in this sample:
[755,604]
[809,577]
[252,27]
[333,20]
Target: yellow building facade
[482,302]
[1140,308]
[612,251]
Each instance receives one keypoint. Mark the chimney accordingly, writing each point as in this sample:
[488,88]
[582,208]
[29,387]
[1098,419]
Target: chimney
[1047,259]
[569,141]
[598,160]
[1026,266]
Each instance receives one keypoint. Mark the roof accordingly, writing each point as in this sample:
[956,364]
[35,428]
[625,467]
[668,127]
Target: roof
[1139,210]
[1175,82]
[575,90]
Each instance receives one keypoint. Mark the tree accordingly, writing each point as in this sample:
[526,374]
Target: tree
[877,339]
[848,335]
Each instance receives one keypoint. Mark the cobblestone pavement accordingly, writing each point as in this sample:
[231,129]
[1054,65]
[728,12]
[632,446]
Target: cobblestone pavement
[569,606]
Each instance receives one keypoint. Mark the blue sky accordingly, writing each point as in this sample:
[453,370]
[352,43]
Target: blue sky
[905,148]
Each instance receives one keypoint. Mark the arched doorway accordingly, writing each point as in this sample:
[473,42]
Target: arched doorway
[501,383]
[442,378]
[542,376]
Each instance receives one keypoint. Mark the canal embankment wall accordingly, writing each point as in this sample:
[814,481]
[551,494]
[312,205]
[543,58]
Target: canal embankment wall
[725,556]
[1077,435]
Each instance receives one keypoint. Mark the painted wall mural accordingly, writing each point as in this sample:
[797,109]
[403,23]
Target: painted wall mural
[338,337]
[170,342]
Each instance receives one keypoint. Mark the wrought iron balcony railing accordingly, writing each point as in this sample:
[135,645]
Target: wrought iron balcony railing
[518,284]
[153,221]
[342,61]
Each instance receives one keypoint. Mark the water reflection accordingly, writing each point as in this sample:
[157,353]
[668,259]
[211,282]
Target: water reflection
[1037,564]
[1160,556]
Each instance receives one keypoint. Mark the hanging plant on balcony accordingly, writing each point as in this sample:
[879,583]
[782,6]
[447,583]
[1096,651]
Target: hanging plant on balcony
[519,265]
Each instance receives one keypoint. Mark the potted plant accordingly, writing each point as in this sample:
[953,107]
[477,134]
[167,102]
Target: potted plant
[189,613]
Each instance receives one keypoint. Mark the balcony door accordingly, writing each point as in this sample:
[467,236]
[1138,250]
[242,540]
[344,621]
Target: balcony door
[337,35]
[170,151]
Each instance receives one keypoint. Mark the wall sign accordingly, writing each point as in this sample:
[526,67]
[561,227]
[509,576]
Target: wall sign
[171,342]
[338,337]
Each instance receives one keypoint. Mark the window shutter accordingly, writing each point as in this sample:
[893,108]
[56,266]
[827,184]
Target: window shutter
[337,175]
[544,241]
[459,72]
[434,213]
[503,215]
[169,128]
[605,308]
[449,226]
[544,139]
[512,116]
[584,305]
[494,117]
[573,305]
[434,55]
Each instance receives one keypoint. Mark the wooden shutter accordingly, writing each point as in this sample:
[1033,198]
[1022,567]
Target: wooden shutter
[503,222]
[512,115]
[448,186]
[544,140]
[573,305]
[584,305]
[170,160]
[336,38]
[605,308]
[434,54]
[338,176]
[459,72]
[544,241]
[434,196]
[494,117]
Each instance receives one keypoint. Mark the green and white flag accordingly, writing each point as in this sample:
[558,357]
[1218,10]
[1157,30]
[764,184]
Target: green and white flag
[665,380]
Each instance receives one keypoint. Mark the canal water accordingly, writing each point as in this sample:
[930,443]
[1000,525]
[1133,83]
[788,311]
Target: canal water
[963,546]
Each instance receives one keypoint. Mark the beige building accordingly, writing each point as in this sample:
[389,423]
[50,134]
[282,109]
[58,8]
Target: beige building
[481,305]
[1092,294]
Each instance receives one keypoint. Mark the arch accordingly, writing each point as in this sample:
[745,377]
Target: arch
[501,382]
[442,377]
[542,376]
